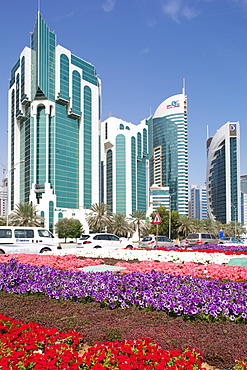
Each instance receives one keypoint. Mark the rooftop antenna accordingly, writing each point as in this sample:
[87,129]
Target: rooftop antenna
[39,6]
[183,88]
[207,132]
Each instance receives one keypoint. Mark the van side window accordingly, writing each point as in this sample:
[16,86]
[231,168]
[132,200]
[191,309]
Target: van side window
[45,233]
[22,233]
[5,233]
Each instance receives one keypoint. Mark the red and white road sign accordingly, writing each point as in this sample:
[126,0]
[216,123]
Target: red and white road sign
[157,219]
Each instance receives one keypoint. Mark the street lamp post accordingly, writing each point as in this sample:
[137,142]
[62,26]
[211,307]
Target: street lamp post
[170,214]
[7,198]
[235,225]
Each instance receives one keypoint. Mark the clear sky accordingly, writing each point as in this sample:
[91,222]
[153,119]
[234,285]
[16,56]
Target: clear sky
[142,49]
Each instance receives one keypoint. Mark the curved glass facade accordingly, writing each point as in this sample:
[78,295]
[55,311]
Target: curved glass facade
[64,77]
[120,174]
[109,179]
[223,174]
[169,165]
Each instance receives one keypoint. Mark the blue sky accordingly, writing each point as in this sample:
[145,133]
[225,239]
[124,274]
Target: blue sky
[142,49]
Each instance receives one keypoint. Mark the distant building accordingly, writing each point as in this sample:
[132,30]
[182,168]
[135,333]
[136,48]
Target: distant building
[159,196]
[223,174]
[198,204]
[54,116]
[243,187]
[169,163]
[124,156]
[4,197]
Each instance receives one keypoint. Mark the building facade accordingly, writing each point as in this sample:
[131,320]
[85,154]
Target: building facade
[54,122]
[159,196]
[198,202]
[4,197]
[169,162]
[243,187]
[124,158]
[223,174]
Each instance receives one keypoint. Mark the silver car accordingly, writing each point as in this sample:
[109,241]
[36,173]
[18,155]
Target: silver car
[230,240]
[163,241]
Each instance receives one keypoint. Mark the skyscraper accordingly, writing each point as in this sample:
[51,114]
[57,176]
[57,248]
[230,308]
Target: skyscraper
[198,205]
[54,115]
[124,155]
[169,163]
[223,174]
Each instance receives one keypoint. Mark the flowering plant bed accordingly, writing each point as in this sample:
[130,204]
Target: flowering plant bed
[220,342]
[210,271]
[225,347]
[235,249]
[70,262]
[162,255]
[30,346]
[185,296]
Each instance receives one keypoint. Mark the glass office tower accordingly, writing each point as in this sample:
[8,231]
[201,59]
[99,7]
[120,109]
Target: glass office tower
[54,115]
[124,155]
[223,174]
[169,164]
[198,202]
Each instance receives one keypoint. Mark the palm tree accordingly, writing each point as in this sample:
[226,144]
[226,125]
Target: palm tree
[211,226]
[99,217]
[186,225]
[25,214]
[231,228]
[197,224]
[3,221]
[139,221]
[120,225]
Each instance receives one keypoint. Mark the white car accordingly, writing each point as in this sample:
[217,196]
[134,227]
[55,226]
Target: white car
[230,240]
[29,248]
[102,240]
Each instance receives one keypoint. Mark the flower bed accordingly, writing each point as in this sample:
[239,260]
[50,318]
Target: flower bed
[210,247]
[180,256]
[30,346]
[177,295]
[71,262]
[210,271]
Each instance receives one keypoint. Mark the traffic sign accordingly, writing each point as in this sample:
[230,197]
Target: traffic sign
[157,219]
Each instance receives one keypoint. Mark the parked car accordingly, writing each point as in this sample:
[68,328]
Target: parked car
[103,240]
[227,240]
[29,248]
[201,238]
[163,241]
[183,243]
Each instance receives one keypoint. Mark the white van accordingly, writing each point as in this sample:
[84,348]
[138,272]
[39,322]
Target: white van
[21,234]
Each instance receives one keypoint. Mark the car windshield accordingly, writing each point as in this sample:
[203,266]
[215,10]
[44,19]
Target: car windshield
[84,237]
[193,236]
[225,238]
[147,239]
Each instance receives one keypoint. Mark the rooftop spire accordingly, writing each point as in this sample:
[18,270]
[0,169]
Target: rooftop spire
[183,87]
